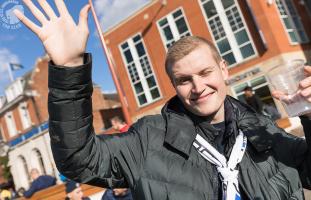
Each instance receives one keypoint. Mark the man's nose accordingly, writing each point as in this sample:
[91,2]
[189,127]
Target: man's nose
[197,85]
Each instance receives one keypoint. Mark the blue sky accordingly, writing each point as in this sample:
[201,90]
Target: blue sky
[22,46]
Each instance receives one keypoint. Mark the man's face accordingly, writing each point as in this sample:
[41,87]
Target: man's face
[119,191]
[115,124]
[199,81]
[76,194]
[248,93]
[34,174]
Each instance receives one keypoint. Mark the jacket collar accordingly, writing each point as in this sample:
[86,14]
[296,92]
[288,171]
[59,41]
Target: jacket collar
[181,130]
[258,129]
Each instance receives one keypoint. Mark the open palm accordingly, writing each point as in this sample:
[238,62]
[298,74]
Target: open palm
[64,41]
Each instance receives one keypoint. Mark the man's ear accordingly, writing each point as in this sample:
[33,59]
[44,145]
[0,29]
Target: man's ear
[224,69]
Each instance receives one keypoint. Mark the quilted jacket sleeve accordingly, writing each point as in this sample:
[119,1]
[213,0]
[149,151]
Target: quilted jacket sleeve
[294,151]
[108,161]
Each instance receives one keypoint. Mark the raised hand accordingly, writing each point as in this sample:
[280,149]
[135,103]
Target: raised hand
[64,41]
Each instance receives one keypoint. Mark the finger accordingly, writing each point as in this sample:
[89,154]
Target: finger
[84,17]
[61,6]
[306,92]
[305,82]
[307,69]
[32,26]
[35,11]
[47,9]
[277,94]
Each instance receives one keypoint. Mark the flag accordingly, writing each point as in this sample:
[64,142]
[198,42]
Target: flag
[15,66]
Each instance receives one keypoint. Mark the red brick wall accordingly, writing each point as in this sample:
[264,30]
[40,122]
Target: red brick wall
[267,17]
[39,84]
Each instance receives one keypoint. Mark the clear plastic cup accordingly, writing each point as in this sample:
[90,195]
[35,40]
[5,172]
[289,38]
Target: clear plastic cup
[285,78]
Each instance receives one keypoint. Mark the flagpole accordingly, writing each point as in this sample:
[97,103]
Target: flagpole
[110,65]
[10,72]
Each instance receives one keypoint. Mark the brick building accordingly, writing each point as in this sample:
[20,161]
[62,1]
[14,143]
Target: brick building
[24,122]
[252,36]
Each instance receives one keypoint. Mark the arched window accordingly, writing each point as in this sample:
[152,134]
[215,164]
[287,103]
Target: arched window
[25,166]
[39,160]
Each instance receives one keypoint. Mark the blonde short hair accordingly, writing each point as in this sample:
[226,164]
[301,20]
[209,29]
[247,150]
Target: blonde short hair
[183,47]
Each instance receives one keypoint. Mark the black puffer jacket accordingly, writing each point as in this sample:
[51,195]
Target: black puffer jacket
[156,158]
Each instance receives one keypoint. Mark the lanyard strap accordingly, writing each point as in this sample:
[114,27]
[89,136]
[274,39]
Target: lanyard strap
[226,169]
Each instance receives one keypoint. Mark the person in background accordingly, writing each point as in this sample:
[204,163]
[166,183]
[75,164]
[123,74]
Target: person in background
[252,99]
[118,124]
[74,191]
[5,194]
[39,182]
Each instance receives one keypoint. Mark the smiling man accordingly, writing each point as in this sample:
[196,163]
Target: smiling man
[203,146]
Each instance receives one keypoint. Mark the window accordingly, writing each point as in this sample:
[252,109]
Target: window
[24,114]
[10,122]
[228,29]
[25,177]
[39,160]
[173,27]
[291,21]
[140,71]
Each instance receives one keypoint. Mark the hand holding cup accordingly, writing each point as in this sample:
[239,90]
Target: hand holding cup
[303,91]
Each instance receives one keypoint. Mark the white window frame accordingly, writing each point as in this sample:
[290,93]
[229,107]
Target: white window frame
[290,19]
[173,27]
[139,70]
[248,82]
[229,33]
[24,115]
[38,161]
[10,122]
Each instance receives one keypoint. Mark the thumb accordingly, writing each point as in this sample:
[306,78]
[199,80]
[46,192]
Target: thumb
[84,17]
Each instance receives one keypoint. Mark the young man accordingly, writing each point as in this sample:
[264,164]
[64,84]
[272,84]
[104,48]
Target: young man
[204,144]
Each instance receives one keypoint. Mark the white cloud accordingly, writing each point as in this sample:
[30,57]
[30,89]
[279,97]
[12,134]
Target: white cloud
[110,12]
[109,91]
[6,57]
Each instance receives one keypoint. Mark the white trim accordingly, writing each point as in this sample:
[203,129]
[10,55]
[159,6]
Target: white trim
[24,115]
[142,79]
[172,26]
[248,83]
[10,123]
[229,32]
[227,28]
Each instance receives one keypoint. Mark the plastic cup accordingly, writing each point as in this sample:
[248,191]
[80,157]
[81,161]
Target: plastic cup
[285,78]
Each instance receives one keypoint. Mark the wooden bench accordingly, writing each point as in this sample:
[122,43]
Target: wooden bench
[283,123]
[57,192]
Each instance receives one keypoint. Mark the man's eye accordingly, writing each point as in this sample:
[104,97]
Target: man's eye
[181,81]
[205,73]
